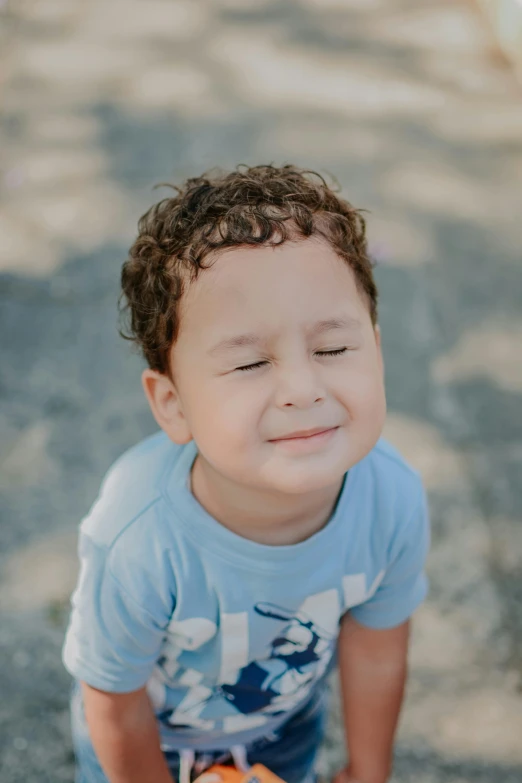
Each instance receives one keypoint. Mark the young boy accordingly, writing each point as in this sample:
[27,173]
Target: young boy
[266,532]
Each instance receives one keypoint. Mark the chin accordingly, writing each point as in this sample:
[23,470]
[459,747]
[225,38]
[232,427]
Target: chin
[307,483]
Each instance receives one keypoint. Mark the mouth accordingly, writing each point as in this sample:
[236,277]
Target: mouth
[304,434]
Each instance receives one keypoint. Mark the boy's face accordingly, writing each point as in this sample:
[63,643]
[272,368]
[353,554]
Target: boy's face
[257,361]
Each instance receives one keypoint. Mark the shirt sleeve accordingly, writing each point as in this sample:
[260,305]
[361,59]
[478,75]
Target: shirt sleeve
[404,585]
[121,608]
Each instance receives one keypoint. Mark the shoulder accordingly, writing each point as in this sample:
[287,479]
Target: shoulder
[389,492]
[131,490]
[392,475]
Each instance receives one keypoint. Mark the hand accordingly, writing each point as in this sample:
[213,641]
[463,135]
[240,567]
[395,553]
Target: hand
[344,776]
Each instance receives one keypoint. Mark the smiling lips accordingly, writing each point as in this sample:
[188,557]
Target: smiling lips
[303,434]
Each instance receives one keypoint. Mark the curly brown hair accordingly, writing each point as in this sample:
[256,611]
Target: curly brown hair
[255,205]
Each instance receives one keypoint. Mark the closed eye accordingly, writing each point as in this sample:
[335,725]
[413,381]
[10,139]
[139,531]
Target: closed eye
[336,352]
[257,365]
[252,366]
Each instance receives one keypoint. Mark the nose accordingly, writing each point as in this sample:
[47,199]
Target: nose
[299,386]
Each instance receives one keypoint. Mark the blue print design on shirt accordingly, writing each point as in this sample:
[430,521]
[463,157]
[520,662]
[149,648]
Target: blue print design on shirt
[292,664]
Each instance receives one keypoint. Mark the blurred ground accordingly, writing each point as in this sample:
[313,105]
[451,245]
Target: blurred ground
[408,103]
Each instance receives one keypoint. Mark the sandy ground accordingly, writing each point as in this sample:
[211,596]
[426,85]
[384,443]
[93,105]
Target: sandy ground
[412,108]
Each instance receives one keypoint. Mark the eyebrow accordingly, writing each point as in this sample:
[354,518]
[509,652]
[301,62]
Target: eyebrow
[242,340]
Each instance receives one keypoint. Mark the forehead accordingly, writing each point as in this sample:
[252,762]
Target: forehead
[269,288]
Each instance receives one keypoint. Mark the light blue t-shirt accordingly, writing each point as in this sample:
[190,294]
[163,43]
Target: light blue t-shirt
[231,637]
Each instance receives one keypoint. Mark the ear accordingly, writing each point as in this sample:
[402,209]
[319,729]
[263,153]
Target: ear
[165,405]
[378,342]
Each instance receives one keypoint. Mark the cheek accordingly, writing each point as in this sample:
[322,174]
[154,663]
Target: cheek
[363,393]
[228,411]
[373,407]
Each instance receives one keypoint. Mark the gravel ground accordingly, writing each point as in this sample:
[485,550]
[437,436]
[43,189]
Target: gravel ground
[411,107]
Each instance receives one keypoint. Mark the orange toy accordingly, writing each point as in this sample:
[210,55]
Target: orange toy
[256,774]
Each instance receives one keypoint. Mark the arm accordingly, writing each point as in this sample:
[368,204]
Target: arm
[373,669]
[125,736]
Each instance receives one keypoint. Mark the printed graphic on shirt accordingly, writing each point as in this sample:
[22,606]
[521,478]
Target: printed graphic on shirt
[299,648]
[299,654]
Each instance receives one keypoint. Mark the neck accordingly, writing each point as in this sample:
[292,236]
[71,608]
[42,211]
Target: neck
[269,518]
